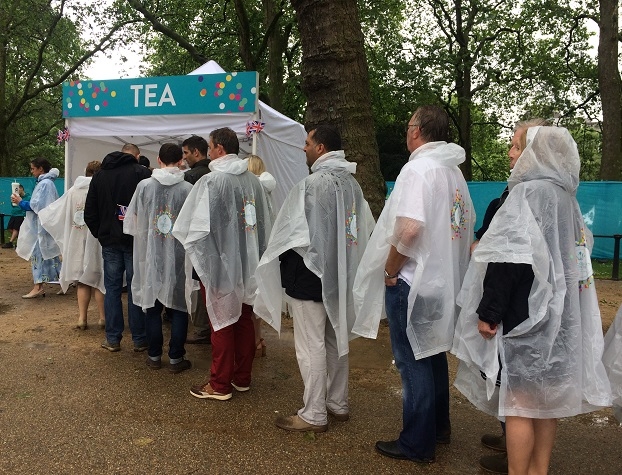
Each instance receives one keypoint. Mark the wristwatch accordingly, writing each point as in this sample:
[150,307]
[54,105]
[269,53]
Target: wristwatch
[388,276]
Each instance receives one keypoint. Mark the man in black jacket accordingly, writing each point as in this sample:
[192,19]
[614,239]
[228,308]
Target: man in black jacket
[195,154]
[109,195]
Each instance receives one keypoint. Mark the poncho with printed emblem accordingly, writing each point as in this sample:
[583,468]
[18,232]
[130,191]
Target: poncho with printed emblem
[160,266]
[430,197]
[224,227]
[82,253]
[326,220]
[551,362]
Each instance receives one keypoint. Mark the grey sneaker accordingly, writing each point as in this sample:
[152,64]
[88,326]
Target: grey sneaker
[138,347]
[112,347]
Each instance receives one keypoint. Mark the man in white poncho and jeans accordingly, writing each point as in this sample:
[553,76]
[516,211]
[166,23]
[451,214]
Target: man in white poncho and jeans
[224,227]
[413,266]
[530,318]
[159,259]
[319,237]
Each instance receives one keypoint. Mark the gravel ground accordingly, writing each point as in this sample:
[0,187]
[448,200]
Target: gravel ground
[69,407]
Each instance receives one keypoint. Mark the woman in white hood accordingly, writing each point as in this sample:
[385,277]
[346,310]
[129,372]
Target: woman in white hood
[36,245]
[530,321]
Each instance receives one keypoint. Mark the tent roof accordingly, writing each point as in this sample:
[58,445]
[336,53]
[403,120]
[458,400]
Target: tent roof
[279,144]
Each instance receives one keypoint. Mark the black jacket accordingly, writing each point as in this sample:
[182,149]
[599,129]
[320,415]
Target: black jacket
[197,171]
[109,194]
[297,280]
[506,294]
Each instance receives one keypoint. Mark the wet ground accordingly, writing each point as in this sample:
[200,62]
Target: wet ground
[69,407]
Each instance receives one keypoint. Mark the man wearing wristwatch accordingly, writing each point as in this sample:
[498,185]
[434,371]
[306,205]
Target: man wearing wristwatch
[421,243]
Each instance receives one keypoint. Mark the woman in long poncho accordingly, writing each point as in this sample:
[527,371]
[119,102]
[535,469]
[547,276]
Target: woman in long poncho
[82,254]
[530,322]
[35,243]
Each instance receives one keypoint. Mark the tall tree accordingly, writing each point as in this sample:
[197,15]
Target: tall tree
[335,82]
[610,90]
[40,47]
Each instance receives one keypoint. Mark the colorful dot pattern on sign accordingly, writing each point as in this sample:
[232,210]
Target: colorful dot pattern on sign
[87,95]
[193,94]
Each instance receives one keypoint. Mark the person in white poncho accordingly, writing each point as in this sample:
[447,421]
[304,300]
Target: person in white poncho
[82,254]
[35,243]
[612,359]
[159,260]
[224,227]
[319,237]
[529,307]
[413,266]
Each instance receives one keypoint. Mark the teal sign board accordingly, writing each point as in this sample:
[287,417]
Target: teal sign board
[194,94]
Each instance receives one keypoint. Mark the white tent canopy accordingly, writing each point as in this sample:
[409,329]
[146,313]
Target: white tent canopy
[279,144]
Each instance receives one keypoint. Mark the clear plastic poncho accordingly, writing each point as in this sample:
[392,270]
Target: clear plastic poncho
[82,253]
[160,266]
[612,359]
[430,198]
[326,220]
[224,227]
[31,230]
[552,361]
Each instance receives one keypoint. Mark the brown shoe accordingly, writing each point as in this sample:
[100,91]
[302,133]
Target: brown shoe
[198,339]
[338,417]
[205,391]
[296,424]
[494,442]
[497,463]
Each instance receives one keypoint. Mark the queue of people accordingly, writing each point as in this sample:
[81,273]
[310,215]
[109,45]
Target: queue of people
[518,308]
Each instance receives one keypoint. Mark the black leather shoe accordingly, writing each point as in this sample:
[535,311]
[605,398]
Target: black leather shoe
[391,449]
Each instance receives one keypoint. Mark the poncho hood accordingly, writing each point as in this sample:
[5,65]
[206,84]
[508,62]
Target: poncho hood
[51,175]
[117,159]
[168,176]
[82,182]
[447,154]
[551,154]
[267,181]
[229,163]
[333,161]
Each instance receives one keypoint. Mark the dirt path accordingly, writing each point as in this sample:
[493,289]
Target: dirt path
[69,407]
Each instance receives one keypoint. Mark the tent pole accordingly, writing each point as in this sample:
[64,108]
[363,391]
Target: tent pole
[254,136]
[67,158]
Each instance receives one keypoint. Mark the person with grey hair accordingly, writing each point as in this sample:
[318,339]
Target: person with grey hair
[413,268]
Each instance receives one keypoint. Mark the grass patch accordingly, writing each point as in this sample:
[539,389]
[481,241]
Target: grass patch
[602,268]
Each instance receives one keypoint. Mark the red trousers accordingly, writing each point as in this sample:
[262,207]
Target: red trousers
[233,351]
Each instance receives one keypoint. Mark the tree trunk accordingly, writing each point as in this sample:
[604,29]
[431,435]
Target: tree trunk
[335,81]
[610,90]
[276,49]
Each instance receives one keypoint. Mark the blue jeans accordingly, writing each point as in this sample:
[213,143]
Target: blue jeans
[425,383]
[118,259]
[155,339]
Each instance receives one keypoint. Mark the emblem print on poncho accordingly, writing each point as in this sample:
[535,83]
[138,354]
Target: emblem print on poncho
[163,222]
[458,213]
[249,215]
[351,228]
[78,217]
[584,263]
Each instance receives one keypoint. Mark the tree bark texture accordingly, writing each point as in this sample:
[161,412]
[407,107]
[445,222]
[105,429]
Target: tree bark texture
[610,91]
[335,81]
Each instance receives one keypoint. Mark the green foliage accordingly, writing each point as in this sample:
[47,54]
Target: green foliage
[41,45]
